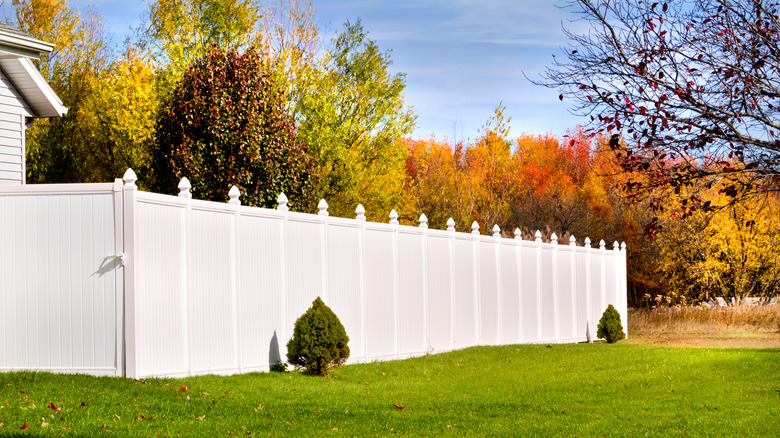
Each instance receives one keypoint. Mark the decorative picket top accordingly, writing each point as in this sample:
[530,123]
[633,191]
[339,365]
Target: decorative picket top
[474,228]
[323,206]
[587,242]
[496,231]
[130,178]
[393,217]
[554,239]
[234,194]
[423,221]
[518,234]
[361,213]
[572,241]
[184,188]
[282,202]
[451,225]
[538,236]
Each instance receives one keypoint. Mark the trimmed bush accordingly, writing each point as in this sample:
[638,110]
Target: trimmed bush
[319,340]
[609,327]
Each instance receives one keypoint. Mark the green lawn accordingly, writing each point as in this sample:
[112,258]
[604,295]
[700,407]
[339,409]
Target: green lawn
[567,390]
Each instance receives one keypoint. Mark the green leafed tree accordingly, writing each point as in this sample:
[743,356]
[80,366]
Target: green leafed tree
[225,124]
[353,120]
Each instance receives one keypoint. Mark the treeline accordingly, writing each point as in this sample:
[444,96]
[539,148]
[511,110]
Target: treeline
[232,92]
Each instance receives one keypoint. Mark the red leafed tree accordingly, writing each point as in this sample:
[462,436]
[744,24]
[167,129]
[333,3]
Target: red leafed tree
[688,92]
[225,124]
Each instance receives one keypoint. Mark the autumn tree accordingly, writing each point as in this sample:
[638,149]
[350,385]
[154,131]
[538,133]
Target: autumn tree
[352,120]
[730,253]
[691,88]
[225,124]
[74,70]
[176,32]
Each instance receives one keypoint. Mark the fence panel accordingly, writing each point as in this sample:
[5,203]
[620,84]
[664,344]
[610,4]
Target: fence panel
[60,287]
[510,311]
[411,293]
[261,290]
[161,310]
[465,296]
[439,293]
[488,291]
[380,296]
[531,292]
[346,282]
[566,297]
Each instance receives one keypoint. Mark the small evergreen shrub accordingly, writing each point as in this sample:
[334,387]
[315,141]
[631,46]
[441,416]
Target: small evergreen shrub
[319,340]
[609,327]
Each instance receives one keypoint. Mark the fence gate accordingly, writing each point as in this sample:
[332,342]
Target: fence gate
[61,305]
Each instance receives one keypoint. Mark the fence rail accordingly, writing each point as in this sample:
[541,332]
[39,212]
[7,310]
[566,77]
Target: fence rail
[216,288]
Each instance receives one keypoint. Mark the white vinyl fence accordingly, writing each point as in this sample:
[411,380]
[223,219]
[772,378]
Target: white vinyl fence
[195,287]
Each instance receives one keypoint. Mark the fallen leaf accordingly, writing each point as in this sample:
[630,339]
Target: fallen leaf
[44,423]
[53,407]
[141,417]
[183,388]
[398,406]
[202,417]
[24,426]
[117,417]
[188,397]
[549,345]
[335,429]
[102,426]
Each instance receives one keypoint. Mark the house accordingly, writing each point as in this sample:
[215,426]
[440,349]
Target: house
[24,96]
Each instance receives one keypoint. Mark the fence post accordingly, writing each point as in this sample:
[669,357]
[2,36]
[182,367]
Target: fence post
[588,290]
[499,318]
[360,212]
[451,254]
[603,255]
[538,241]
[119,280]
[519,255]
[477,285]
[184,193]
[624,286]
[128,198]
[555,288]
[234,195]
[324,245]
[573,285]
[396,281]
[281,206]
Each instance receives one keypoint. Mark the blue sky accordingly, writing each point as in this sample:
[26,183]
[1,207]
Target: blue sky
[461,57]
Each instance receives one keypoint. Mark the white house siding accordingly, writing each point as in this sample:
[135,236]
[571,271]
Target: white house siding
[13,110]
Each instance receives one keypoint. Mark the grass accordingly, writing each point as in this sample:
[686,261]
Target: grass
[585,390]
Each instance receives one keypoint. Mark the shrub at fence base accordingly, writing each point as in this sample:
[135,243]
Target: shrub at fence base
[319,340]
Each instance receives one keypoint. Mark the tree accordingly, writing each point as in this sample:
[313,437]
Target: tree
[731,252]
[691,88]
[77,147]
[176,32]
[225,124]
[353,120]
